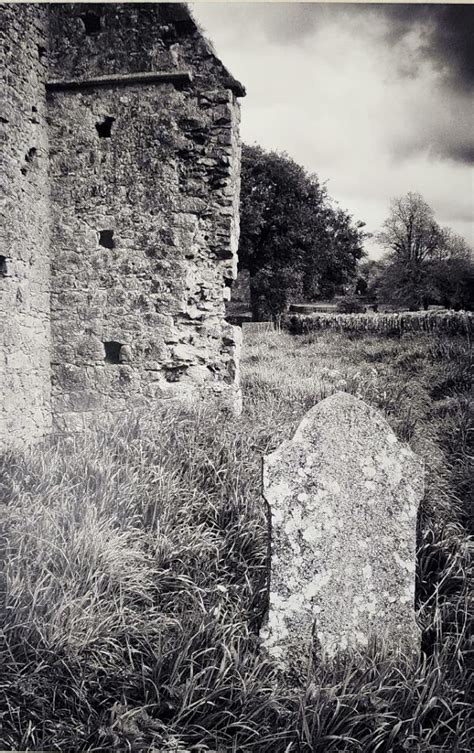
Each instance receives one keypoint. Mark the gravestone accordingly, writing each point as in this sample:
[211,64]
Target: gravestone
[343,497]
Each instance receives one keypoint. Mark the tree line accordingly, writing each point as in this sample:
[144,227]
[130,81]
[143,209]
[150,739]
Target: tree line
[294,242]
[298,245]
[424,262]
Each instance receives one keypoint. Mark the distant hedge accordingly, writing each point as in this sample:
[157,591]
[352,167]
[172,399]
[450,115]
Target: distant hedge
[448,322]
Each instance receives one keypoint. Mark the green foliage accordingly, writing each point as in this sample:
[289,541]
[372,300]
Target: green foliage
[451,283]
[273,288]
[370,271]
[295,244]
[350,304]
[425,263]
[134,572]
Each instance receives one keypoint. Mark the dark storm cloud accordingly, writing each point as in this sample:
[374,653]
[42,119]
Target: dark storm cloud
[445,42]
[446,31]
[417,37]
[460,153]
[440,147]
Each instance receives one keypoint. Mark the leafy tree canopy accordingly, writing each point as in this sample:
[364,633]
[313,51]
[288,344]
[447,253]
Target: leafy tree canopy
[424,262]
[295,243]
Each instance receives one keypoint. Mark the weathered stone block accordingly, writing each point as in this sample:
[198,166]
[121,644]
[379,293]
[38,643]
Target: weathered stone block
[198,374]
[343,496]
[184,353]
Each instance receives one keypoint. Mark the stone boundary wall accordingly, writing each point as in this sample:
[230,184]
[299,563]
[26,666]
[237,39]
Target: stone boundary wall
[449,322]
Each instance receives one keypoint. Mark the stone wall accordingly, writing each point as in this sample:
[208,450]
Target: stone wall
[120,188]
[24,268]
[145,212]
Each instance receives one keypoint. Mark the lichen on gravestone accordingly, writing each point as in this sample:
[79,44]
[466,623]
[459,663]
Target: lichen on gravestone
[343,497]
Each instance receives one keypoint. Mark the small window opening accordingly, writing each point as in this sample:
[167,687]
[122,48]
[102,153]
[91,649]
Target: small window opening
[228,282]
[30,155]
[41,51]
[3,266]
[104,129]
[92,23]
[112,351]
[106,238]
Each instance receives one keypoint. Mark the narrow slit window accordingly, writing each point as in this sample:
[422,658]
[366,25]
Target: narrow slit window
[104,129]
[3,266]
[112,351]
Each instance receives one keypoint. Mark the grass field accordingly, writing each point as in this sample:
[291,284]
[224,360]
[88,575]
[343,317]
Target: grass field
[132,586]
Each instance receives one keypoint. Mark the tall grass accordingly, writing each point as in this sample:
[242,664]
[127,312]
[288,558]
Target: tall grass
[134,570]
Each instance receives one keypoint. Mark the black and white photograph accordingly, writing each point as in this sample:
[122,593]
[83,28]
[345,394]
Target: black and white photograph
[236,416]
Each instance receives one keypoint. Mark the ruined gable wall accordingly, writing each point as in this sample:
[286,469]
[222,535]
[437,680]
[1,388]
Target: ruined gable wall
[24,264]
[164,187]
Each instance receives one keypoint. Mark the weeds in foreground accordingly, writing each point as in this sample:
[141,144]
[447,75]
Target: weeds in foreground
[134,564]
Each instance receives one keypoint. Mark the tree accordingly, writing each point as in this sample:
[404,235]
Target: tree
[273,288]
[424,262]
[369,274]
[453,246]
[294,243]
[410,234]
[451,273]
[412,237]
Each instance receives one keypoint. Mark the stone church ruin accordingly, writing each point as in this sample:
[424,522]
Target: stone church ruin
[120,192]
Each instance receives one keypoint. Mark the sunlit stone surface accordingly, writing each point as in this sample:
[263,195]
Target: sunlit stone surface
[343,495]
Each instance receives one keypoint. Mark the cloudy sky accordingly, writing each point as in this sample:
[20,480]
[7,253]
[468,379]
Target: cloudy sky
[377,100]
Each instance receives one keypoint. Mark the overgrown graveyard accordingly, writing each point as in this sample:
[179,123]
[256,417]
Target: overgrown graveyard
[134,577]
